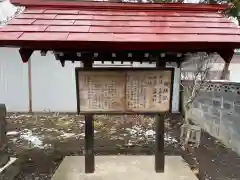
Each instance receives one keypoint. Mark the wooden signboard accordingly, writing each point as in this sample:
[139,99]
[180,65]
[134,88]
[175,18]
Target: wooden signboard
[101,91]
[124,90]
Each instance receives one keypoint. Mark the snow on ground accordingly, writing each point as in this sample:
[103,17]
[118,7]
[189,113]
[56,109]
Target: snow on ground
[40,131]
[65,134]
[12,133]
[34,140]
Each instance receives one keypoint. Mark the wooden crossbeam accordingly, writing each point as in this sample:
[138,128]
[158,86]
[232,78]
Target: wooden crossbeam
[120,56]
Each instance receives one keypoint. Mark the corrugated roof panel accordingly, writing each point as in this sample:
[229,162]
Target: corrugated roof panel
[25,28]
[34,11]
[36,16]
[55,22]
[10,35]
[68,28]
[22,21]
[75,17]
[43,36]
[56,11]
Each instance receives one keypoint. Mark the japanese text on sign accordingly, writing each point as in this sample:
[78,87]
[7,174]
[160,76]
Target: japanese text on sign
[124,91]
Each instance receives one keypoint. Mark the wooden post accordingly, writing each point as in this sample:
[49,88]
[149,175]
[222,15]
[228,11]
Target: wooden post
[89,137]
[30,85]
[4,157]
[159,144]
[89,144]
[159,151]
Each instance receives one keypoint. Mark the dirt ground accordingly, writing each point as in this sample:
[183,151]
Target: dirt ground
[41,141]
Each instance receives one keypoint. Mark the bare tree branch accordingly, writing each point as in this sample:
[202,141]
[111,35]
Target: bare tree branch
[198,77]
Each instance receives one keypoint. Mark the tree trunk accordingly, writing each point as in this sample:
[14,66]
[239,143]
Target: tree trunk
[225,71]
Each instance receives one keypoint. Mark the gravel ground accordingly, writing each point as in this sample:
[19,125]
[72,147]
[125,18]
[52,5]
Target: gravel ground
[41,141]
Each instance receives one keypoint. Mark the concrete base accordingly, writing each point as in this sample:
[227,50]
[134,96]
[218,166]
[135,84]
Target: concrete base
[123,168]
[12,160]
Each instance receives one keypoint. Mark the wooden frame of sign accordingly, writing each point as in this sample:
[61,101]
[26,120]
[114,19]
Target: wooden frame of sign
[145,91]
[124,90]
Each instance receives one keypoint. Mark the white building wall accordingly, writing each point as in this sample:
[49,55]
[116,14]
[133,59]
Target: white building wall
[53,86]
[13,80]
[234,69]
[176,89]
[234,66]
[234,72]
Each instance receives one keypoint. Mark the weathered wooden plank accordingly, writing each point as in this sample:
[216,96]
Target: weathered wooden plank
[124,91]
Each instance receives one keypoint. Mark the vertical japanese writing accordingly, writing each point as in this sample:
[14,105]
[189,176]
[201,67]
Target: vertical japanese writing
[147,90]
[103,91]
[139,91]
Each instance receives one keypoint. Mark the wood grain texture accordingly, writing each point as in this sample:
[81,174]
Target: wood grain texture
[148,91]
[101,91]
[125,91]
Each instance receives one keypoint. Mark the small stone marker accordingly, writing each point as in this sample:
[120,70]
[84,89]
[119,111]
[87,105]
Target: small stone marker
[4,157]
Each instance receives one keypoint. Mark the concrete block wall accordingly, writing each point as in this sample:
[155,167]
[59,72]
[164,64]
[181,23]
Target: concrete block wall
[217,110]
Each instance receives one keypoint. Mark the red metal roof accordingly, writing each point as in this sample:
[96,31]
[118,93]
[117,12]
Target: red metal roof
[89,25]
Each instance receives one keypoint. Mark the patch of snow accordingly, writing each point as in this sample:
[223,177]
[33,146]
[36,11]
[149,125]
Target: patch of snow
[82,134]
[63,118]
[68,135]
[20,116]
[51,130]
[135,130]
[150,133]
[12,160]
[12,133]
[46,146]
[129,143]
[170,139]
[81,124]
[27,135]
[14,140]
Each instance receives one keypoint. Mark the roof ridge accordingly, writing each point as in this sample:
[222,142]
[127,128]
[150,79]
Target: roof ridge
[123,6]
